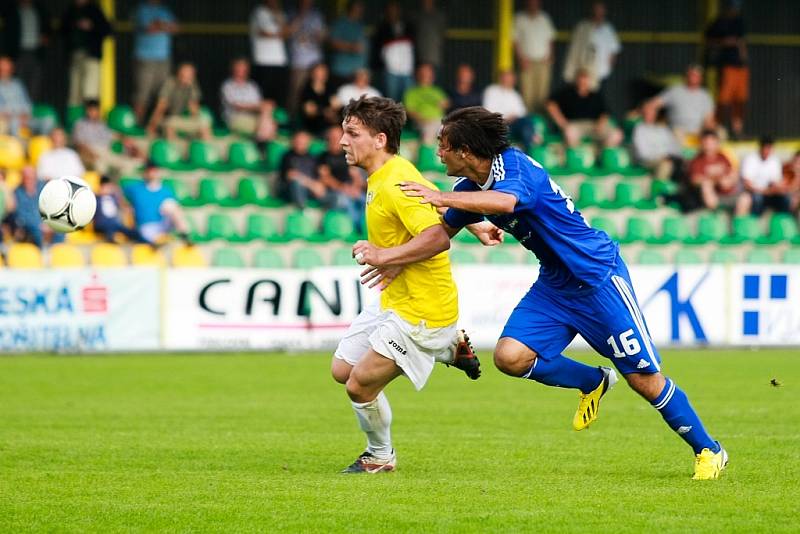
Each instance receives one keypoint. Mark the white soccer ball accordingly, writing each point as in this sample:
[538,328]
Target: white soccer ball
[67,204]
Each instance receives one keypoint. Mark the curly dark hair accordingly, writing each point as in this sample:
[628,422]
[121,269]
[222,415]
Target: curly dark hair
[476,129]
[379,115]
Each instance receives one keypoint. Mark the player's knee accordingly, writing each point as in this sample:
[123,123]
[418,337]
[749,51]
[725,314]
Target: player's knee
[511,359]
[648,386]
[357,391]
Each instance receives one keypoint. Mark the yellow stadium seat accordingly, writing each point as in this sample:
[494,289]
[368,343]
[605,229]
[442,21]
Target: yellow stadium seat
[13,179]
[37,146]
[24,256]
[144,254]
[186,256]
[93,179]
[12,153]
[108,255]
[63,255]
[82,237]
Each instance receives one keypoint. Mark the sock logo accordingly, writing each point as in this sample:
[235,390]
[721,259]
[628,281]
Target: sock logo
[396,346]
[683,429]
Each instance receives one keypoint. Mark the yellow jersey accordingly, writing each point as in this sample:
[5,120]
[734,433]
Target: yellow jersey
[424,291]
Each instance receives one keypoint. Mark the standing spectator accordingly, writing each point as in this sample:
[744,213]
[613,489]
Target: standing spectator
[155,209]
[690,108]
[298,177]
[152,52]
[533,43]
[268,30]
[108,217]
[318,105]
[728,52]
[346,183]
[655,146]
[353,91]
[243,108]
[580,111]
[307,33]
[426,103]
[60,160]
[762,175]
[84,26]
[430,25]
[92,139]
[15,105]
[7,207]
[26,35]
[394,51]
[27,222]
[464,94]
[179,100]
[502,98]
[713,182]
[594,47]
[348,39]
[791,180]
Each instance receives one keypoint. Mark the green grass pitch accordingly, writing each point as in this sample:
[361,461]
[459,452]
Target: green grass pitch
[254,443]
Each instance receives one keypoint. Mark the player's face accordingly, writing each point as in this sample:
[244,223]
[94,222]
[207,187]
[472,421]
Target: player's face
[358,143]
[451,159]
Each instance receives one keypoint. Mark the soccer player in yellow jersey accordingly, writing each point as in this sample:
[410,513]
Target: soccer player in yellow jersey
[414,325]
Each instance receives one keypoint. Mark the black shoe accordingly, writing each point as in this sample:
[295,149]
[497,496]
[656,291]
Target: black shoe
[367,463]
[465,357]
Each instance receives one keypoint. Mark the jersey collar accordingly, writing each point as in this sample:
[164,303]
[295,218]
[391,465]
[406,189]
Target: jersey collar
[496,173]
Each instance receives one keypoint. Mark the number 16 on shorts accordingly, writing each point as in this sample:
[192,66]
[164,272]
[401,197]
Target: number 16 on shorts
[627,340]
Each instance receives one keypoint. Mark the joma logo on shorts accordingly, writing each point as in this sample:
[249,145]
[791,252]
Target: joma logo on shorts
[396,346]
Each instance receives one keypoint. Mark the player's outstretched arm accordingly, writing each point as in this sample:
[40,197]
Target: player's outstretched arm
[427,244]
[488,234]
[484,202]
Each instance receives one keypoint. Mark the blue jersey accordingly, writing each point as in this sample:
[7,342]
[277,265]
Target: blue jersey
[572,254]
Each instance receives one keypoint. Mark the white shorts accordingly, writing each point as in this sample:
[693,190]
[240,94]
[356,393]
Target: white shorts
[414,348]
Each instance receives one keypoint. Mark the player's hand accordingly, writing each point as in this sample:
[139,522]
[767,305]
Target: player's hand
[426,195]
[366,253]
[488,234]
[380,276]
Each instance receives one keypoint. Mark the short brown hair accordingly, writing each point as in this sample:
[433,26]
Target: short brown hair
[379,115]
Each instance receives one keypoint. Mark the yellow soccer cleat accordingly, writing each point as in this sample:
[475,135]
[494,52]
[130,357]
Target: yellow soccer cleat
[590,402]
[709,465]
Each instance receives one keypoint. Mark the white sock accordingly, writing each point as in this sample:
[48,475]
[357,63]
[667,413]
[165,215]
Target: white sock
[375,419]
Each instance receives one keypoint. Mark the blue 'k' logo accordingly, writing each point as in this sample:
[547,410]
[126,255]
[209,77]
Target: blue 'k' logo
[752,298]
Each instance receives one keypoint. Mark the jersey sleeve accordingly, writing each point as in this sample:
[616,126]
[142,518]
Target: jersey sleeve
[517,179]
[455,218]
[415,216]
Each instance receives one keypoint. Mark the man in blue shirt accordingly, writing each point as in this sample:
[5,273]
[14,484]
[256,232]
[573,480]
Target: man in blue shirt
[348,40]
[583,286]
[155,209]
[155,25]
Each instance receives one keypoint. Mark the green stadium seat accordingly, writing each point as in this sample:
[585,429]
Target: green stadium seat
[638,229]
[45,113]
[547,157]
[674,229]
[337,225]
[462,257]
[268,258]
[317,147]
[194,228]
[306,258]
[687,256]
[539,125]
[427,160]
[792,255]
[782,228]
[205,155]
[723,256]
[343,257]
[275,151]
[213,191]
[122,119]
[711,228]
[627,194]
[649,256]
[744,229]
[251,190]
[498,256]
[181,191]
[759,256]
[590,193]
[227,257]
[244,155]
[220,226]
[580,159]
[218,128]
[259,226]
[299,226]
[660,188]
[606,224]
[166,154]
[618,160]
[73,114]
[281,116]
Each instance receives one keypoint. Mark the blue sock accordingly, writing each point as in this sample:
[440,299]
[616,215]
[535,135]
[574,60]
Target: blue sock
[681,417]
[565,373]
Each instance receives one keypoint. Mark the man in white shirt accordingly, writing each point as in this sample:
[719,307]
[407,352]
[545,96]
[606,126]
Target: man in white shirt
[594,47]
[533,44]
[268,31]
[243,108]
[359,86]
[762,174]
[655,145]
[60,160]
[690,108]
[502,98]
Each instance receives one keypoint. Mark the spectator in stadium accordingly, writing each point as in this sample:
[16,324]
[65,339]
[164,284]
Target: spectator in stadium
[464,94]
[359,86]
[154,24]
[655,146]
[594,48]
[298,179]
[713,182]
[318,106]
[393,52]
[504,99]
[580,111]
[7,207]
[268,31]
[108,217]
[762,174]
[92,139]
[15,105]
[60,160]
[727,50]
[690,108]
[346,183]
[426,103]
[83,27]
[534,34]
[791,179]
[306,37]
[243,108]
[26,35]
[178,106]
[430,25]
[348,40]
[27,222]
[155,209]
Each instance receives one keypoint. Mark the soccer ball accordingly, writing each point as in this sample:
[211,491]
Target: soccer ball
[67,204]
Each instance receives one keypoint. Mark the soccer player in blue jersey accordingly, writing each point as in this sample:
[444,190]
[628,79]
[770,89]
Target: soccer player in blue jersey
[583,285]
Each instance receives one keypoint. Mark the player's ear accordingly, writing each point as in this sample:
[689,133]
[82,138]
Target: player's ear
[380,141]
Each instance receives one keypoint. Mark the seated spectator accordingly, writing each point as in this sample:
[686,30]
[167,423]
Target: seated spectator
[7,207]
[344,182]
[762,175]
[579,111]
[298,173]
[713,182]
[502,98]
[359,86]
[656,147]
[243,108]
[318,105]
[178,107]
[59,161]
[690,108]
[108,217]
[791,178]
[464,94]
[15,106]
[92,139]
[27,222]
[155,209]
[426,103]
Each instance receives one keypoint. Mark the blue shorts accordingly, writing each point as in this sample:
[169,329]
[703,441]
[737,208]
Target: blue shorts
[608,318]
